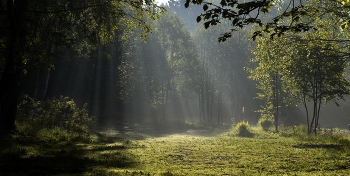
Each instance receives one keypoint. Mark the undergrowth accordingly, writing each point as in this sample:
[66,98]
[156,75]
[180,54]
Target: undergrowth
[57,119]
[324,135]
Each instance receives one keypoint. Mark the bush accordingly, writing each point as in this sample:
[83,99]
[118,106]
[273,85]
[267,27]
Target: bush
[62,113]
[265,123]
[243,129]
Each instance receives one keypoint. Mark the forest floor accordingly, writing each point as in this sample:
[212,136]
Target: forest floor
[173,149]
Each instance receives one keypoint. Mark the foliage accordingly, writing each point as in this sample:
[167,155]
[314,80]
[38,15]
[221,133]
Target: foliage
[265,123]
[243,129]
[271,16]
[52,115]
[81,23]
[299,68]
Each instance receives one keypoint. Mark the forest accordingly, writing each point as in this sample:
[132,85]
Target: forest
[177,87]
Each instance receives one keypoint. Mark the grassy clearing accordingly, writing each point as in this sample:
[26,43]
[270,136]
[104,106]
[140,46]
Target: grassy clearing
[195,151]
[187,155]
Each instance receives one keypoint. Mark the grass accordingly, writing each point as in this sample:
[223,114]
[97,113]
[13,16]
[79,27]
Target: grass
[194,150]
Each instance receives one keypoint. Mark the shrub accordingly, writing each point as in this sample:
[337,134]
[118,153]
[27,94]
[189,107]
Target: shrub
[265,123]
[62,113]
[243,129]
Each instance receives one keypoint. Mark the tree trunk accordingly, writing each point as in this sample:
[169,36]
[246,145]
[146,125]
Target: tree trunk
[307,113]
[220,117]
[276,104]
[9,84]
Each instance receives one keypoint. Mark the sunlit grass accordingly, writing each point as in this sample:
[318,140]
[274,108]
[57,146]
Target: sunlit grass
[186,155]
[289,152]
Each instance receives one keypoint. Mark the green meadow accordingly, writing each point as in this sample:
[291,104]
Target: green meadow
[185,150]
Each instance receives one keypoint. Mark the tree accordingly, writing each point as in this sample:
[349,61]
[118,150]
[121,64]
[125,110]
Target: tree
[311,67]
[32,28]
[268,54]
[317,74]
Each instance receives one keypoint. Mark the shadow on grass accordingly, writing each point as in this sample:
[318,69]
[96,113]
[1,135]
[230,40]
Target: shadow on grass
[47,158]
[27,155]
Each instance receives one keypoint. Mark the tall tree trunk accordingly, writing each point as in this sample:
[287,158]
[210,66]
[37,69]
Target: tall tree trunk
[276,100]
[307,113]
[9,84]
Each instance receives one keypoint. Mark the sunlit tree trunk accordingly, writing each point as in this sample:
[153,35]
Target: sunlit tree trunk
[9,84]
